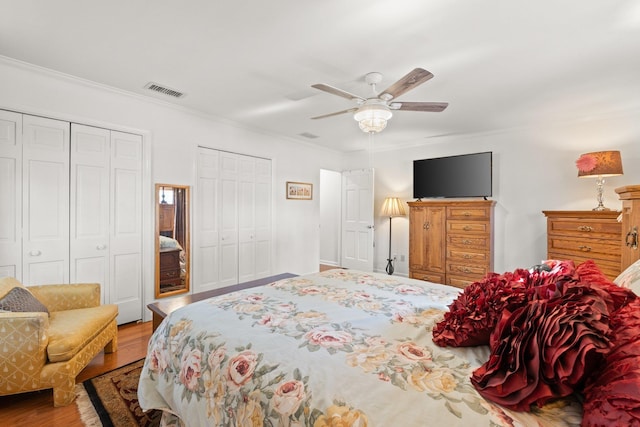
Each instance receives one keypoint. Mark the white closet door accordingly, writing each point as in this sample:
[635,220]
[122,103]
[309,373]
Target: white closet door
[246,219]
[207,235]
[125,240]
[89,229]
[262,209]
[11,194]
[45,201]
[228,215]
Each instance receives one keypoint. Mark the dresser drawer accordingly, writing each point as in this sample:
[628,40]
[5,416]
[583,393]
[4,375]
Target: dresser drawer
[468,242]
[585,248]
[460,282]
[588,228]
[474,213]
[475,257]
[473,271]
[169,274]
[428,276]
[468,227]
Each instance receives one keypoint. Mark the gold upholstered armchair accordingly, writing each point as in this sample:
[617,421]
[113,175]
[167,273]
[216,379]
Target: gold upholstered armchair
[49,333]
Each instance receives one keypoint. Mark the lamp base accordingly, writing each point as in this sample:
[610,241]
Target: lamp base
[600,208]
[389,268]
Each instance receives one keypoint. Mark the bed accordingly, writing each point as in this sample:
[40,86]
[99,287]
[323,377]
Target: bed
[337,348]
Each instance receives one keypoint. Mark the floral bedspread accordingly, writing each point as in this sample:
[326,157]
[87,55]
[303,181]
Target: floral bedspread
[338,348]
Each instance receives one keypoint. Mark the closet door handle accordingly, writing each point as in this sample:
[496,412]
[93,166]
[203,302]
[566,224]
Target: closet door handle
[35,253]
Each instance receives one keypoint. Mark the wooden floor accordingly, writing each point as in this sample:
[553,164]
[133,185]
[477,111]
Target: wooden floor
[36,408]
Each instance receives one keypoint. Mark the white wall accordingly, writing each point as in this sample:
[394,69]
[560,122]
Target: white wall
[173,136]
[533,170]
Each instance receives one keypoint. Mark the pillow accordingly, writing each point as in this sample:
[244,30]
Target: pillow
[612,398]
[8,283]
[474,313]
[169,243]
[545,349]
[19,299]
[630,278]
[616,296]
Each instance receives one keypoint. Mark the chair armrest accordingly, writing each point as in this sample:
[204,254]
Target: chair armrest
[67,297]
[24,339]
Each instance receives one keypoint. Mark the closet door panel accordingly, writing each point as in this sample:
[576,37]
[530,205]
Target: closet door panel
[206,261]
[11,194]
[262,209]
[125,238]
[246,219]
[89,239]
[228,219]
[45,199]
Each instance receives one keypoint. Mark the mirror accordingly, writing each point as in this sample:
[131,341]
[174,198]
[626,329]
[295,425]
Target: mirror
[172,240]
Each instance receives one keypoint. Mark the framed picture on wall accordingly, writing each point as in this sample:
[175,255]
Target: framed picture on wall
[299,190]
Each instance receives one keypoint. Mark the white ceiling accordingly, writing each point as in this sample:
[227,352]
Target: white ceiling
[499,63]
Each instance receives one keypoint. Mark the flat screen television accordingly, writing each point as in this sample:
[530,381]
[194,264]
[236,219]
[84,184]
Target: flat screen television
[467,175]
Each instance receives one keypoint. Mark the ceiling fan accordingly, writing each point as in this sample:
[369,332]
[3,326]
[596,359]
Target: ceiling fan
[372,113]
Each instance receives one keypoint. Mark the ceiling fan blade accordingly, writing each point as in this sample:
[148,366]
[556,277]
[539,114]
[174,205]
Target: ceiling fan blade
[335,91]
[350,110]
[434,107]
[415,77]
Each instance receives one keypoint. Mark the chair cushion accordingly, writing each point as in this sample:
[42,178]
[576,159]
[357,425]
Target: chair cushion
[19,299]
[71,330]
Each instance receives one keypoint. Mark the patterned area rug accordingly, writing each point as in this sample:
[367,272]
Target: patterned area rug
[111,400]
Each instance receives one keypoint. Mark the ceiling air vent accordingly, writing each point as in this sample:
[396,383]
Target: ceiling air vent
[308,135]
[164,90]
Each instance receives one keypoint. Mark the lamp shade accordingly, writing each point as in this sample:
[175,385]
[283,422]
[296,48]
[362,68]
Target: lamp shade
[392,207]
[599,163]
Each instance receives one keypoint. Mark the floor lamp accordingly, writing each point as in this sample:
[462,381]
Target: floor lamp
[392,207]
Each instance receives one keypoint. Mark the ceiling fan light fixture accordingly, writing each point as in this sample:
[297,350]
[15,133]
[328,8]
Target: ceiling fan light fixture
[372,117]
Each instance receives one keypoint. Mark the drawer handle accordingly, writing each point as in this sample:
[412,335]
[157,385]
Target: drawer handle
[585,248]
[466,213]
[466,242]
[466,228]
[464,270]
[35,253]
[585,228]
[101,247]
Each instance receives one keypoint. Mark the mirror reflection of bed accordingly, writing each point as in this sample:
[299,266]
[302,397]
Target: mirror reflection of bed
[172,254]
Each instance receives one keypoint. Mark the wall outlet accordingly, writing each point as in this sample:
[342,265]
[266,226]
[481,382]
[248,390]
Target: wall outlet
[401,258]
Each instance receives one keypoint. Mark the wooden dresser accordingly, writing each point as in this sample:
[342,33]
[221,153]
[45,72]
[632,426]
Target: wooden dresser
[169,269]
[630,196]
[451,241]
[585,235]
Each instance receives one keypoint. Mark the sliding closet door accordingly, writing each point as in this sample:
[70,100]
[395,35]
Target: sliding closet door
[89,229]
[254,217]
[228,214]
[206,258]
[45,216]
[246,218]
[125,266]
[11,194]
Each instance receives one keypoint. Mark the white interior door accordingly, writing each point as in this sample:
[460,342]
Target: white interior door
[45,198]
[89,229]
[125,266]
[207,235]
[11,194]
[357,219]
